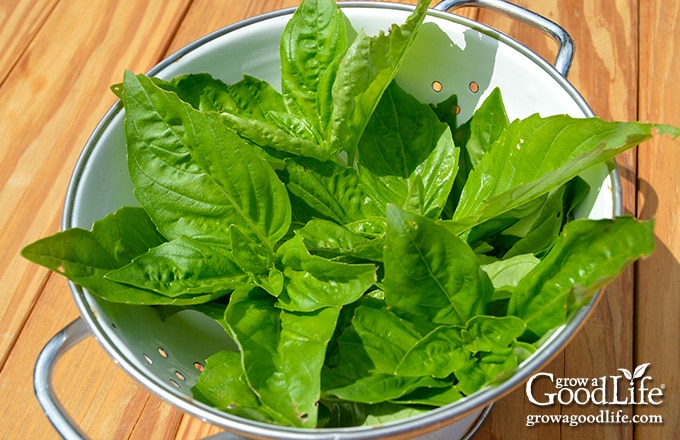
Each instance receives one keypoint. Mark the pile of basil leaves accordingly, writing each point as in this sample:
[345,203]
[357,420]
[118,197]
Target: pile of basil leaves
[370,258]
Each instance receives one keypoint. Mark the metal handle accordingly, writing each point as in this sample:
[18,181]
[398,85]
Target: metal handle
[66,339]
[565,53]
[71,335]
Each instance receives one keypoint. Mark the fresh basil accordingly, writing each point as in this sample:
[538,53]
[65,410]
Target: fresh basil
[370,256]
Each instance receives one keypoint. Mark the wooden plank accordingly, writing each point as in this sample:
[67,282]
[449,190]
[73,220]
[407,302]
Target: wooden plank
[657,299]
[52,100]
[204,18]
[95,391]
[21,21]
[604,71]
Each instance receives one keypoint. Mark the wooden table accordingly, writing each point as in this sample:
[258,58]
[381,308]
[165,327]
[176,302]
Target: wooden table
[57,61]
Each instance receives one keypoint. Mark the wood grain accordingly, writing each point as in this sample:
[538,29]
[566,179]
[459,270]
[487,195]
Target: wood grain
[657,301]
[60,57]
[21,21]
[53,98]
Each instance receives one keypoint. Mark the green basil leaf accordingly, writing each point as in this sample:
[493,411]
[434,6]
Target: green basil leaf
[505,274]
[544,229]
[85,257]
[333,241]
[488,333]
[482,130]
[183,266]
[407,156]
[368,67]
[437,354]
[382,387]
[433,397]
[250,96]
[223,385]
[255,110]
[345,414]
[271,341]
[535,155]
[312,282]
[331,190]
[491,367]
[251,256]
[396,346]
[587,255]
[313,42]
[475,137]
[195,176]
[431,273]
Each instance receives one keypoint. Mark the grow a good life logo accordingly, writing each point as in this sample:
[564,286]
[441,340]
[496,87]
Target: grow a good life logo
[628,388]
[605,390]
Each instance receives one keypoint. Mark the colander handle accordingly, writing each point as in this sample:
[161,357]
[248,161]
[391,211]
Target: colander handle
[71,335]
[565,53]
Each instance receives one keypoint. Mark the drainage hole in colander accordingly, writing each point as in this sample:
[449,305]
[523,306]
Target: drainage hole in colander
[147,358]
[437,86]
[162,352]
[474,87]
[180,376]
[174,382]
[199,366]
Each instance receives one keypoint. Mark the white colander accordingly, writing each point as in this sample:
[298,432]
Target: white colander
[451,55]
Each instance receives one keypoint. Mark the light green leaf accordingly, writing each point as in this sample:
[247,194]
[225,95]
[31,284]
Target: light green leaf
[271,340]
[312,282]
[368,67]
[85,257]
[535,155]
[430,273]
[251,256]
[195,176]
[313,42]
[587,255]
[331,240]
[183,266]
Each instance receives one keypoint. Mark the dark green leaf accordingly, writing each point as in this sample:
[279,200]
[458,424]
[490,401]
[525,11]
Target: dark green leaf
[406,155]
